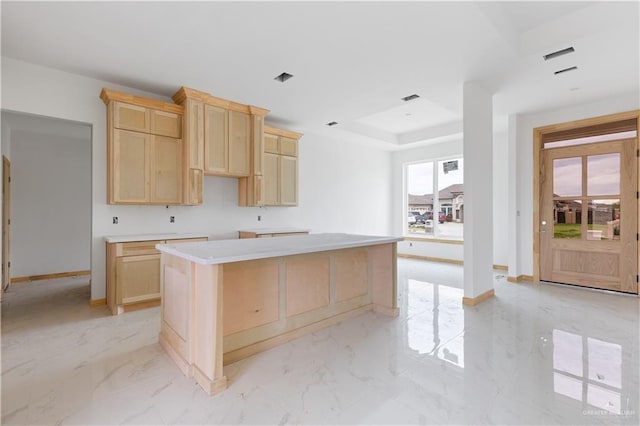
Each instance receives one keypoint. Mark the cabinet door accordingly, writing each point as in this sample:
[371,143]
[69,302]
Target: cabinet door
[288,181]
[215,140]
[130,166]
[270,179]
[271,144]
[131,117]
[239,139]
[288,147]
[138,278]
[166,124]
[166,170]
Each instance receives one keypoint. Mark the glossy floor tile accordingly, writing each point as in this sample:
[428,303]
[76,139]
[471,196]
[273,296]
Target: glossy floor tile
[534,354]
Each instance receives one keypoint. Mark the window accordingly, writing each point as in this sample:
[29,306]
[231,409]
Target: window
[435,213]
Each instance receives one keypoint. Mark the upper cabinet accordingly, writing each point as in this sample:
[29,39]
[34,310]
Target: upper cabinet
[277,185]
[159,152]
[144,150]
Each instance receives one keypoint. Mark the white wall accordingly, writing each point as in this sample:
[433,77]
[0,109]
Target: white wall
[50,203]
[524,167]
[445,150]
[343,187]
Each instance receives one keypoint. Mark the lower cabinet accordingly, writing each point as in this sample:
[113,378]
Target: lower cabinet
[256,234]
[133,274]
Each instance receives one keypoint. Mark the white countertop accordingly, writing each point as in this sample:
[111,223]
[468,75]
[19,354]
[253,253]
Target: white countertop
[260,231]
[150,237]
[226,251]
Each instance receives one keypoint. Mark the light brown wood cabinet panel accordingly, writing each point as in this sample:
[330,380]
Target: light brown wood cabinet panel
[130,165]
[271,168]
[195,186]
[193,141]
[288,181]
[271,144]
[215,140]
[131,117]
[138,278]
[239,143]
[166,170]
[166,124]
[288,146]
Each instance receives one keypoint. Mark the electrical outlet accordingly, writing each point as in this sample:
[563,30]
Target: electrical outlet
[172,219]
[259,218]
[115,220]
[410,244]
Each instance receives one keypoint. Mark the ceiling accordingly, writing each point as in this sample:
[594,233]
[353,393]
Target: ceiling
[352,61]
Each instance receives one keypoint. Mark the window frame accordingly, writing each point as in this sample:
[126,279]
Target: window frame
[436,201]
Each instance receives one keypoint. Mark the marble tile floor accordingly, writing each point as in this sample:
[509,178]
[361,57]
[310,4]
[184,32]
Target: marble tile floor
[534,354]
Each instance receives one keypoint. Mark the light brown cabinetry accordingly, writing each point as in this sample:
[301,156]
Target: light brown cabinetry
[280,167]
[144,150]
[227,141]
[133,274]
[277,185]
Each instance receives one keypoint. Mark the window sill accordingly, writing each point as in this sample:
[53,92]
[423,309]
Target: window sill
[426,239]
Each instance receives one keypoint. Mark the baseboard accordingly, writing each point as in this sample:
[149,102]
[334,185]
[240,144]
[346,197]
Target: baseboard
[430,259]
[501,267]
[520,278]
[472,301]
[97,302]
[16,280]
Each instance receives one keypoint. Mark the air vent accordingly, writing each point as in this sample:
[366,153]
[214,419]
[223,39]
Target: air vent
[283,77]
[558,53]
[333,123]
[410,97]
[565,70]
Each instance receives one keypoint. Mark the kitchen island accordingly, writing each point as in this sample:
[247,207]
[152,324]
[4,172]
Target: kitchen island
[228,299]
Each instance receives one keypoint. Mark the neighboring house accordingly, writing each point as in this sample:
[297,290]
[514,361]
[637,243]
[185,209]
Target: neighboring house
[451,202]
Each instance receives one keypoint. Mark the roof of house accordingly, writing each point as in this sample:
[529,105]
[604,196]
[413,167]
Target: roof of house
[449,192]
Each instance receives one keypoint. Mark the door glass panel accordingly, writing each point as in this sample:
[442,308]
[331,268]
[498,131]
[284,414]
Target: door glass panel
[603,220]
[567,177]
[567,219]
[603,174]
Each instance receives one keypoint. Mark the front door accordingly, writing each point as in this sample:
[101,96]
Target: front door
[589,215]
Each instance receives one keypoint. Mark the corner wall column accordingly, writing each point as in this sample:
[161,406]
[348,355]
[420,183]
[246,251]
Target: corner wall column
[478,193]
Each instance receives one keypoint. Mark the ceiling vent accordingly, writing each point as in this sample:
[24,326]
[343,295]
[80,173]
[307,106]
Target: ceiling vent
[565,70]
[283,77]
[558,53]
[332,123]
[410,97]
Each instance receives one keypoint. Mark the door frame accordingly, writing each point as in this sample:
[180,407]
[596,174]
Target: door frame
[6,227]
[538,134]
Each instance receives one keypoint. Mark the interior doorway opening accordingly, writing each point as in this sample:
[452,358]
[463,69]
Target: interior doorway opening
[49,214]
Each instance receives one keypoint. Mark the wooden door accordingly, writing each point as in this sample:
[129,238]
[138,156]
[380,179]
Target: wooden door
[6,224]
[215,140]
[589,215]
[166,170]
[239,142]
[130,167]
[137,278]
[288,181]
[271,168]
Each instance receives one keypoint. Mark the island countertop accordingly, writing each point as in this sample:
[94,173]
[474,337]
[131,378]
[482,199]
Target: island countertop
[227,251]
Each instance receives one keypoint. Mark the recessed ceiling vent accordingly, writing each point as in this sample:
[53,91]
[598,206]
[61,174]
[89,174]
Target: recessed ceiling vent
[565,70]
[333,123]
[410,97]
[283,77]
[558,53]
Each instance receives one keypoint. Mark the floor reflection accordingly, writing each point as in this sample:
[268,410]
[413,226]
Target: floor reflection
[588,370]
[435,321]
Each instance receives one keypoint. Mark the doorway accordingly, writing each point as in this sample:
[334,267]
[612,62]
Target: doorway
[51,198]
[586,215]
